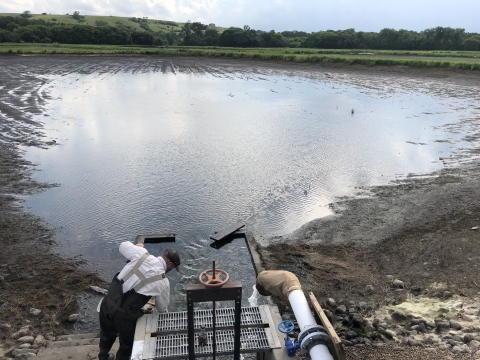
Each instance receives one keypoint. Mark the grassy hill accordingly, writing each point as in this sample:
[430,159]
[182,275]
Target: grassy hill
[116,21]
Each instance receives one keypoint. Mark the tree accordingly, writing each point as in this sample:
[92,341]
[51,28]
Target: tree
[322,40]
[76,15]
[455,37]
[194,33]
[142,38]
[8,36]
[211,37]
[26,14]
[33,33]
[272,39]
[387,38]
[158,41]
[112,35]
[239,37]
[145,26]
[294,34]
[172,37]
[473,43]
[348,39]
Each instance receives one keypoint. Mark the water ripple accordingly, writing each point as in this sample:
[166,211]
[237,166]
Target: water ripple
[151,146]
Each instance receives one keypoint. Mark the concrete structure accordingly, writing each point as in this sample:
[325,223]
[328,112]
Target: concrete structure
[72,347]
[85,346]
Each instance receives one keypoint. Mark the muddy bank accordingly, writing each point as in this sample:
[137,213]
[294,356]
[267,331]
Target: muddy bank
[406,206]
[31,276]
[419,230]
[423,232]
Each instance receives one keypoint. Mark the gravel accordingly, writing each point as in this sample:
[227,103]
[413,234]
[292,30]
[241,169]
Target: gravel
[390,352]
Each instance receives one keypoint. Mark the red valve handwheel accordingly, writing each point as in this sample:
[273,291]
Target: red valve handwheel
[210,281]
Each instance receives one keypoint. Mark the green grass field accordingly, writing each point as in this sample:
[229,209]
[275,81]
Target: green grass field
[432,53]
[155,25]
[117,21]
[421,59]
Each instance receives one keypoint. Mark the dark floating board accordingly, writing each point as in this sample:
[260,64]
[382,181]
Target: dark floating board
[229,230]
[155,238]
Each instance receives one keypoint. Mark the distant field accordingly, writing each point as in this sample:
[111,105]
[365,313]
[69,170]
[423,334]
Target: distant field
[363,52]
[117,21]
[445,59]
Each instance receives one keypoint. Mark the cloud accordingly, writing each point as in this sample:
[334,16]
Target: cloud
[279,15]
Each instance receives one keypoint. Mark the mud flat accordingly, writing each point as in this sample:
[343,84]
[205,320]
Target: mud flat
[31,275]
[422,230]
[418,229]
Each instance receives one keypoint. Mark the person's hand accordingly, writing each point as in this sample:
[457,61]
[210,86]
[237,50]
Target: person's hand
[140,245]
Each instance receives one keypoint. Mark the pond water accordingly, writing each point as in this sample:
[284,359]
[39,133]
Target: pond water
[153,152]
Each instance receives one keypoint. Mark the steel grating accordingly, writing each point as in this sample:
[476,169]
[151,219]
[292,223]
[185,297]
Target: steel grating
[225,317]
[176,345]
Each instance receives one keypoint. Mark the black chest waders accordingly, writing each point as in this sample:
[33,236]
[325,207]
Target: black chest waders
[130,303]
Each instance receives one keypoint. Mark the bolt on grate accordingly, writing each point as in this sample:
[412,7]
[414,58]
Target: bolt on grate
[176,345]
[224,317]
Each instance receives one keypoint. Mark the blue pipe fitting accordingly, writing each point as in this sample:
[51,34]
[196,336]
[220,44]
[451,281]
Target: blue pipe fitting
[291,347]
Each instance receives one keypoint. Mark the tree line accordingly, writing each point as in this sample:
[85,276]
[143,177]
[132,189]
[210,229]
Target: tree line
[439,38]
[23,28]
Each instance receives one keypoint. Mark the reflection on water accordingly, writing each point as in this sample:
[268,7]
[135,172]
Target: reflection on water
[190,154]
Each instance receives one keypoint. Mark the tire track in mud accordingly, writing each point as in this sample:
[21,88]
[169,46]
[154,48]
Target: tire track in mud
[24,94]
[17,105]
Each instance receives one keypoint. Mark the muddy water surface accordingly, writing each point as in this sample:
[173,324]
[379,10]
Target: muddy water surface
[148,146]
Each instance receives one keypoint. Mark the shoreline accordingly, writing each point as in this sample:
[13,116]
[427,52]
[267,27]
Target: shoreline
[436,212]
[417,59]
[382,265]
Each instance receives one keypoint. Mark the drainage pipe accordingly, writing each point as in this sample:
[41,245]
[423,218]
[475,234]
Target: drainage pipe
[312,338]
[306,321]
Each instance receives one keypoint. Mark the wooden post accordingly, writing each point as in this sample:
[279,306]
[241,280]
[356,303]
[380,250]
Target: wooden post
[337,343]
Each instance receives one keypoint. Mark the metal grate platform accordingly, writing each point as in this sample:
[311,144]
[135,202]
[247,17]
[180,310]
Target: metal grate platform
[224,317]
[176,346]
[162,336]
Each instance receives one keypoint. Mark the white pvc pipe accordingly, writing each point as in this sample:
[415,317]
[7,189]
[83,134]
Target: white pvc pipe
[320,352]
[300,307]
[304,317]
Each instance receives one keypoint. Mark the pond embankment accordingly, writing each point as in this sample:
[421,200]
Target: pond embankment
[31,275]
[418,230]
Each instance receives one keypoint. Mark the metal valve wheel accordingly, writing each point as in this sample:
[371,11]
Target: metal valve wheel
[286,326]
[213,278]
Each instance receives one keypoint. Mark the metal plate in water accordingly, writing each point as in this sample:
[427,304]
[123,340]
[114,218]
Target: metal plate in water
[225,317]
[176,345]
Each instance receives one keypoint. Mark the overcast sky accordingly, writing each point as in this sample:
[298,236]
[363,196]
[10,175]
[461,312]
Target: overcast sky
[278,15]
